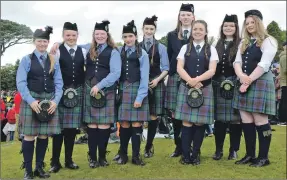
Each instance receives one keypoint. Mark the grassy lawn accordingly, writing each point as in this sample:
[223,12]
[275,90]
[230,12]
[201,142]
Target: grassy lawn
[161,166]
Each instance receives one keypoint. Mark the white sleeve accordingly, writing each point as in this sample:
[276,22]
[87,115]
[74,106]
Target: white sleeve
[182,53]
[214,54]
[269,49]
[238,58]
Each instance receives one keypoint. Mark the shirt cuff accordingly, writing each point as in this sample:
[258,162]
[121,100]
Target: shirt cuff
[139,99]
[99,86]
[30,100]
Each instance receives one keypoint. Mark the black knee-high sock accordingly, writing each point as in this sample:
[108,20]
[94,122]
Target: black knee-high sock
[250,138]
[69,140]
[57,146]
[125,135]
[197,139]
[93,142]
[177,129]
[219,133]
[136,140]
[28,151]
[186,137]
[152,126]
[264,135]
[235,132]
[41,147]
[104,135]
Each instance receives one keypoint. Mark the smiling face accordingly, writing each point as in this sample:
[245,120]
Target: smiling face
[100,36]
[149,31]
[70,37]
[41,44]
[199,31]
[250,25]
[229,28]
[129,39]
[186,18]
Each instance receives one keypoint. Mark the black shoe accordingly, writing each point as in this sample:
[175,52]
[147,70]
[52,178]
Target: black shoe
[123,159]
[185,161]
[176,153]
[149,152]
[232,155]
[246,159]
[260,162]
[138,161]
[71,165]
[117,156]
[217,155]
[28,175]
[103,162]
[55,167]
[195,161]
[41,173]
[93,164]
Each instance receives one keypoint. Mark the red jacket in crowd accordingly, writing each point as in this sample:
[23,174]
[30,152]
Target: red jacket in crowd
[3,108]
[17,102]
[11,116]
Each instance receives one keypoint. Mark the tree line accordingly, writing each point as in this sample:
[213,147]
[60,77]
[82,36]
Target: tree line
[13,33]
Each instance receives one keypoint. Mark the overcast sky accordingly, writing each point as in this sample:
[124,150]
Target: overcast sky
[38,14]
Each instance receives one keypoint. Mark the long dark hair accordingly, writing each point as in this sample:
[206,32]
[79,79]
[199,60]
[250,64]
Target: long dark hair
[233,46]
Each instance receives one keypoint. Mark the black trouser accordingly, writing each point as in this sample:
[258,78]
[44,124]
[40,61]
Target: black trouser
[68,136]
[3,136]
[283,105]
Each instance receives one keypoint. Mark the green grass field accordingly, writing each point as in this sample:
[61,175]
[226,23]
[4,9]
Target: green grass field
[161,166]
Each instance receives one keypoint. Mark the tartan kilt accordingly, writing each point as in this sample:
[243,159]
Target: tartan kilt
[223,110]
[202,115]
[157,108]
[260,97]
[72,117]
[171,92]
[127,112]
[104,115]
[29,125]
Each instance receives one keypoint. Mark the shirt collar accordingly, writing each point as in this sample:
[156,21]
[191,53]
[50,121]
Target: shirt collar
[201,44]
[103,46]
[133,48]
[38,54]
[68,47]
[182,29]
[148,39]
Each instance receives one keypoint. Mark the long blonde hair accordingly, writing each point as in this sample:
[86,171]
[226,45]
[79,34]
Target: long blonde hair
[94,46]
[261,34]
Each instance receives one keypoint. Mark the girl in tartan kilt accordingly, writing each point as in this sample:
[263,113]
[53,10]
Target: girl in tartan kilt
[103,69]
[225,116]
[159,67]
[134,108]
[196,65]
[72,60]
[38,78]
[255,97]
[175,40]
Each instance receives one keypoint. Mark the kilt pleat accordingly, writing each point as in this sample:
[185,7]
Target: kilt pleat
[157,108]
[202,115]
[171,92]
[223,110]
[29,125]
[127,112]
[260,97]
[72,117]
[104,115]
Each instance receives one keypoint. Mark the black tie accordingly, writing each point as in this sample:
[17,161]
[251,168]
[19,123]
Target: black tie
[129,51]
[197,49]
[185,34]
[72,51]
[148,45]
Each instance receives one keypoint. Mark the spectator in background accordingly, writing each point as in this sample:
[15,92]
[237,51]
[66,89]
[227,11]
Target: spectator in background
[11,124]
[283,79]
[3,119]
[17,102]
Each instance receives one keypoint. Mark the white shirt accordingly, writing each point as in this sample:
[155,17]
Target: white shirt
[85,52]
[268,48]
[213,57]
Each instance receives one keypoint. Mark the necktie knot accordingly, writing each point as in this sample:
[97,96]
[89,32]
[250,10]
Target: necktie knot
[42,57]
[252,41]
[129,51]
[197,47]
[148,43]
[71,51]
[185,32]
